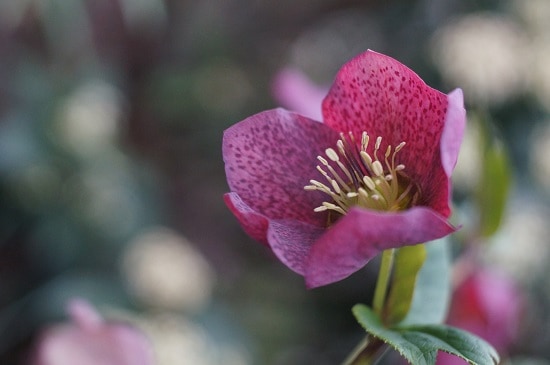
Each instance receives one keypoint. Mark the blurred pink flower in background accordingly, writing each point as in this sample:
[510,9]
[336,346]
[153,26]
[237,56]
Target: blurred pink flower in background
[295,91]
[89,340]
[488,304]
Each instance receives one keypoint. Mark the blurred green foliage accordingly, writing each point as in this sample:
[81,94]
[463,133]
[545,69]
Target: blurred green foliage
[111,117]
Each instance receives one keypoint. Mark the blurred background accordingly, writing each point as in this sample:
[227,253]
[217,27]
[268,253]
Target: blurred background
[111,174]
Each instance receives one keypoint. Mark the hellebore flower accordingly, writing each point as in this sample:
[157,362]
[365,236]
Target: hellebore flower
[488,304]
[89,340]
[375,174]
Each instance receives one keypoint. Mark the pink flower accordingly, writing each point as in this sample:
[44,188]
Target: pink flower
[294,90]
[489,305]
[88,340]
[328,197]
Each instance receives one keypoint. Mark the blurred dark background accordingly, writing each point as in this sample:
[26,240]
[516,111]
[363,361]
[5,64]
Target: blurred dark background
[111,175]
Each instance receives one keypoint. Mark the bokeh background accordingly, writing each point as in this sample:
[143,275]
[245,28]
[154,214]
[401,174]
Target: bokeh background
[111,174]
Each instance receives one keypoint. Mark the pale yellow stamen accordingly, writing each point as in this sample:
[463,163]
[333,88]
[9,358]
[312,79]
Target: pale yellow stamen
[361,178]
[377,168]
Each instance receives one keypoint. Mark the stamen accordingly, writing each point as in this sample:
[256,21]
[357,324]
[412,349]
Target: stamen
[336,187]
[364,141]
[332,154]
[322,160]
[377,168]
[366,158]
[334,207]
[361,178]
[369,183]
[399,147]
[363,193]
[341,148]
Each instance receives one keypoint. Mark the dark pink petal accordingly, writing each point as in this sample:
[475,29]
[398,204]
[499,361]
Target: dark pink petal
[453,131]
[270,157]
[379,95]
[295,91]
[291,242]
[360,235]
[253,223]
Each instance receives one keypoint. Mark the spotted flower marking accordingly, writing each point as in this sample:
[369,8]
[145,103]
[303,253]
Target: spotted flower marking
[375,174]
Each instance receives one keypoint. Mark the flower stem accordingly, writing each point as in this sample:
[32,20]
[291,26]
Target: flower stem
[367,352]
[383,282]
[370,349]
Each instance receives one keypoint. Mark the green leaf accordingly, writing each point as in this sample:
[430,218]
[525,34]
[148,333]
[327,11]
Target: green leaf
[420,344]
[432,293]
[407,264]
[454,341]
[373,325]
[494,184]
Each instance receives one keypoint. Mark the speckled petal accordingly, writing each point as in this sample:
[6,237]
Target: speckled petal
[362,234]
[270,157]
[291,242]
[379,95]
[253,223]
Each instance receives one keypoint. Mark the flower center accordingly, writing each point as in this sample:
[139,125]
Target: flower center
[357,178]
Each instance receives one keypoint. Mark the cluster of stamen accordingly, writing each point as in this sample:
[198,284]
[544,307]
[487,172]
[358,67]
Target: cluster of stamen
[354,177]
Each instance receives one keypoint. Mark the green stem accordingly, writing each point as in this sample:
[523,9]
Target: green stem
[383,281]
[367,352]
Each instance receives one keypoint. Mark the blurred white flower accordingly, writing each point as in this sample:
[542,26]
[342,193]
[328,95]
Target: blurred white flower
[486,55]
[89,119]
[163,270]
[520,248]
[535,14]
[89,340]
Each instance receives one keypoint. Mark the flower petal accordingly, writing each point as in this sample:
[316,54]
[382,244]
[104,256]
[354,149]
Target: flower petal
[379,95]
[291,242]
[437,194]
[295,91]
[253,223]
[453,131]
[361,234]
[270,157]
